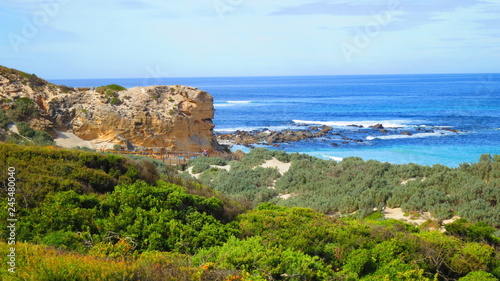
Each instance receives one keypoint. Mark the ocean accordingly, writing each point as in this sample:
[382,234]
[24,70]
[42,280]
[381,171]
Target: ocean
[453,118]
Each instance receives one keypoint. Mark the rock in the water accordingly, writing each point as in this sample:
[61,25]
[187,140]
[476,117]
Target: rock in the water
[377,126]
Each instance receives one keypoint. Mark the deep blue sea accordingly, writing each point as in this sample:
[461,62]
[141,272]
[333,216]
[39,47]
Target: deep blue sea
[429,106]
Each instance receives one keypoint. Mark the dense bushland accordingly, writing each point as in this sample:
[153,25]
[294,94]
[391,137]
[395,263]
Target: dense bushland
[268,243]
[162,217]
[471,191]
[45,170]
[91,216]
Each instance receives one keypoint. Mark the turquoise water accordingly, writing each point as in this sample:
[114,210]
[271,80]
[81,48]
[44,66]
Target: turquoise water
[427,105]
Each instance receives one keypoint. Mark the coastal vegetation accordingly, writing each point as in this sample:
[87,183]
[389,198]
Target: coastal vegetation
[111,87]
[93,216]
[25,78]
[110,92]
[21,109]
[471,191]
[4,119]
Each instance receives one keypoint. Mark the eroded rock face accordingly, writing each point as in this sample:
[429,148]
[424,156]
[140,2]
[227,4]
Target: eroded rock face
[178,118]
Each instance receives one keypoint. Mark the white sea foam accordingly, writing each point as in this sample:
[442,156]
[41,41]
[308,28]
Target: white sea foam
[334,158]
[232,103]
[222,104]
[421,135]
[385,123]
[239,101]
[248,129]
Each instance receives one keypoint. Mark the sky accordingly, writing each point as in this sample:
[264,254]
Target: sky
[83,39]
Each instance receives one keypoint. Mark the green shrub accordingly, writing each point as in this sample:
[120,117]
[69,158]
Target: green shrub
[110,88]
[43,138]
[115,101]
[200,167]
[65,240]
[165,217]
[478,276]
[253,256]
[115,87]
[101,89]
[66,89]
[46,170]
[478,232]
[472,257]
[4,119]
[25,129]
[22,109]
[110,93]
[208,160]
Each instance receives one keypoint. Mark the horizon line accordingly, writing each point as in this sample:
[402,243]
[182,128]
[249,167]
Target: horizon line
[250,76]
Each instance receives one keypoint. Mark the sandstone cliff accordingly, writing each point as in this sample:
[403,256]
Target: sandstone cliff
[178,118]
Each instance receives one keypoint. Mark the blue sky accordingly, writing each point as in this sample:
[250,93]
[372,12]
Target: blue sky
[134,39]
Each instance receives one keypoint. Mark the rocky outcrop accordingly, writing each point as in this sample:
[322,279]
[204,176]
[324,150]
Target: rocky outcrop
[178,118]
[270,137]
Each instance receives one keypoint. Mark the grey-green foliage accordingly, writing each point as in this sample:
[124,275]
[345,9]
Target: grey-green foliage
[200,167]
[202,164]
[246,180]
[354,185]
[252,184]
[17,139]
[42,138]
[208,160]
[38,137]
[328,186]
[4,119]
[22,109]
[25,129]
[160,165]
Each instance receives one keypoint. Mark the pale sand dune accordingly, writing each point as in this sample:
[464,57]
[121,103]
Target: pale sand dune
[285,196]
[227,167]
[190,171]
[275,163]
[454,218]
[398,214]
[13,128]
[70,140]
[197,176]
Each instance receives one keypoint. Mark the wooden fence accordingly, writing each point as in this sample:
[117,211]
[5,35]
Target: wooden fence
[168,157]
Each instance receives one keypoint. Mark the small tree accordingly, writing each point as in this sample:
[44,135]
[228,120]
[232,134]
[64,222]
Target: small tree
[25,129]
[42,138]
[4,119]
[23,108]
